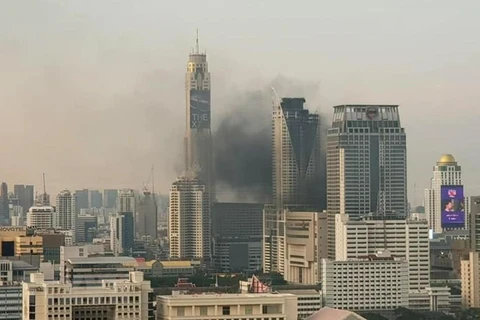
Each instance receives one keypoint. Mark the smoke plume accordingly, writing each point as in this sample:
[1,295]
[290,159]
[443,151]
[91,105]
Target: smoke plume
[243,141]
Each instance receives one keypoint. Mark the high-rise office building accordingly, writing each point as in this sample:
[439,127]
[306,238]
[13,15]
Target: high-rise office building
[198,135]
[295,155]
[81,201]
[122,233]
[446,206]
[189,219]
[296,172]
[126,201]
[146,217]
[366,164]
[86,228]
[4,206]
[475,223]
[65,210]
[96,199]
[110,198]
[25,196]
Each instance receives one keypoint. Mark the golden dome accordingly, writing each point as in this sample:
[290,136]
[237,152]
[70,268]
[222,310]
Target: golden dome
[447,159]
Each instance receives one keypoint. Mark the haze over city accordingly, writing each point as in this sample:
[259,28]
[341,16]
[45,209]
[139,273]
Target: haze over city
[92,92]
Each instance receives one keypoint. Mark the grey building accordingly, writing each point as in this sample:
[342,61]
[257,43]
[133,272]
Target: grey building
[237,236]
[296,173]
[13,272]
[475,223]
[86,228]
[146,217]
[366,164]
[81,200]
[96,199]
[110,198]
[4,207]
[25,196]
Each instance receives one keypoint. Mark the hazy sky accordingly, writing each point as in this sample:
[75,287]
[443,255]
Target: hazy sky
[91,92]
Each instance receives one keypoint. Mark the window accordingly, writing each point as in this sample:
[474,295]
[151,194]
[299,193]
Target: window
[181,311]
[203,311]
[226,310]
[248,309]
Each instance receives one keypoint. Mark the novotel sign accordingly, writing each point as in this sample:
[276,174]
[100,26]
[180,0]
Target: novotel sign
[16,229]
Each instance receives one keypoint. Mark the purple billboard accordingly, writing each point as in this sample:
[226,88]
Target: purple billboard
[453,207]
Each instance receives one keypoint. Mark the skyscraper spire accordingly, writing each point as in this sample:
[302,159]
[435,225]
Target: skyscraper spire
[197,49]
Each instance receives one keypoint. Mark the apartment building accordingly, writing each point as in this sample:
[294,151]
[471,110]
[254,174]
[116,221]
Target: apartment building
[470,273]
[373,282]
[401,237]
[114,299]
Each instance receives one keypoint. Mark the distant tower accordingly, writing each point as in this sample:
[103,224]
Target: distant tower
[447,179]
[366,163]
[189,228]
[82,201]
[198,135]
[146,217]
[4,207]
[66,214]
[122,224]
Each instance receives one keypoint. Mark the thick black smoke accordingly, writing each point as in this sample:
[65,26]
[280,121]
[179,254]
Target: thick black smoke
[243,142]
[243,161]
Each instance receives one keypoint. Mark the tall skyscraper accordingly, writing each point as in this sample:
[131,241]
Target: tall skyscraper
[446,206]
[146,216]
[65,211]
[189,227]
[295,154]
[96,199]
[366,164]
[122,224]
[25,196]
[82,201]
[4,207]
[110,198]
[198,135]
[295,174]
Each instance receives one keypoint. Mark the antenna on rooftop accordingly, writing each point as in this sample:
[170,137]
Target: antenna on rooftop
[197,49]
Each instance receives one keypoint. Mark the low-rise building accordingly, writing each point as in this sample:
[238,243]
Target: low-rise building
[91,271]
[258,306]
[370,283]
[115,299]
[309,301]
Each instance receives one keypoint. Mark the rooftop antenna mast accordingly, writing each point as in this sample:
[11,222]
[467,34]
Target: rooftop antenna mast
[44,185]
[197,48]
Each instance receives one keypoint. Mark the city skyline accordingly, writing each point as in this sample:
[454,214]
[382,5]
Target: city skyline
[426,82]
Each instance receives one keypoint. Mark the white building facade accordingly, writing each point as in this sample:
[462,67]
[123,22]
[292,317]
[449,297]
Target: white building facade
[402,238]
[65,211]
[41,217]
[374,282]
[253,306]
[117,299]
